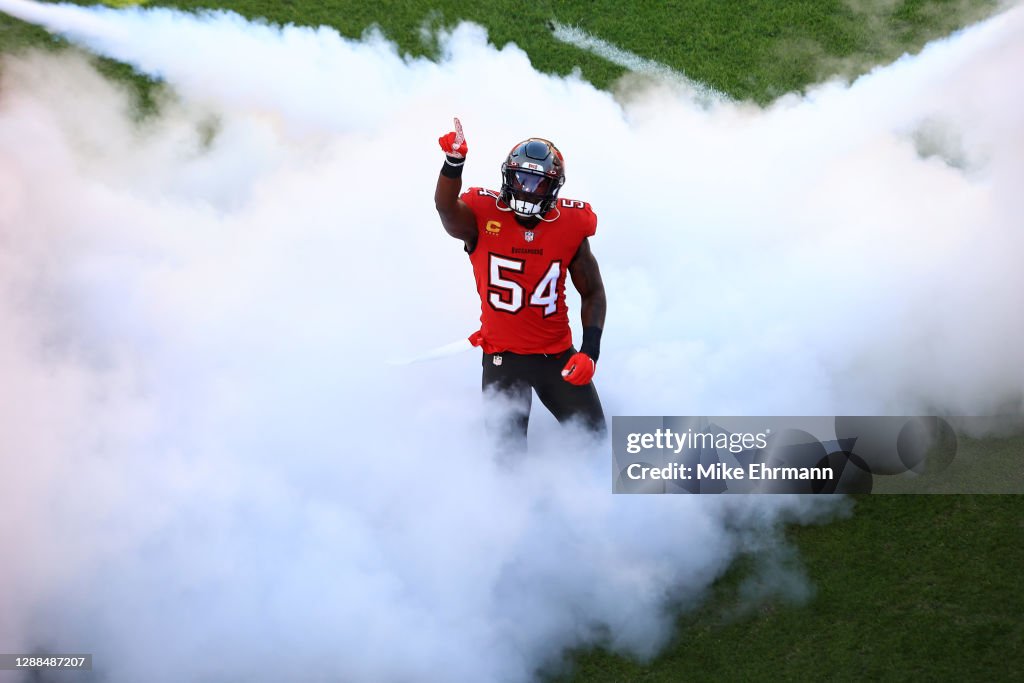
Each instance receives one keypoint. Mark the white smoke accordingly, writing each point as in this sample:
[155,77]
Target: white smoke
[210,459]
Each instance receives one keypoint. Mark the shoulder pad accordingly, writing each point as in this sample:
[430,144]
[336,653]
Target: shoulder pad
[580,213]
[475,195]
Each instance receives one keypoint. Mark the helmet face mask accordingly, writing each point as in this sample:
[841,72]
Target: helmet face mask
[531,177]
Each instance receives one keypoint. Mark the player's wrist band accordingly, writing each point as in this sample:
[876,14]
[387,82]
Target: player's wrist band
[452,167]
[591,342]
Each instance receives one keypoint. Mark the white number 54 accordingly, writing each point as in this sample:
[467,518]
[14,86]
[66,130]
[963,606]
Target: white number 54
[507,295]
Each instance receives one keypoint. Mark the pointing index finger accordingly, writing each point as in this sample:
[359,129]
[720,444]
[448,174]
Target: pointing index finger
[459,137]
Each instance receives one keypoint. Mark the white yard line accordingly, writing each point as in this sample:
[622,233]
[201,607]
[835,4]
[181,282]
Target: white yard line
[577,37]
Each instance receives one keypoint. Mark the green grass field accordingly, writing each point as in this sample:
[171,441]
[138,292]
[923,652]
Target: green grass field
[908,587]
[749,50]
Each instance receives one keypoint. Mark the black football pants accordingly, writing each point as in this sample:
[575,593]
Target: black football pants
[517,376]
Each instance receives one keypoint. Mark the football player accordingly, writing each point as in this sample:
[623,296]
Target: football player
[521,242]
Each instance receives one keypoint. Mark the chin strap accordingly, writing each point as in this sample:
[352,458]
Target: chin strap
[501,206]
[552,220]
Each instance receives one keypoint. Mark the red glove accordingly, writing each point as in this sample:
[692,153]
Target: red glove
[454,143]
[579,370]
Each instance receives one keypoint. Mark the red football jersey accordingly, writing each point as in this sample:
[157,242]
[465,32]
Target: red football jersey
[520,274]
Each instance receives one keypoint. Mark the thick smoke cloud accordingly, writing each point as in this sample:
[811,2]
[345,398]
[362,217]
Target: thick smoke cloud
[209,455]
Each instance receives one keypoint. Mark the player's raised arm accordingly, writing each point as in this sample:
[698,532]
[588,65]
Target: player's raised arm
[586,277]
[456,217]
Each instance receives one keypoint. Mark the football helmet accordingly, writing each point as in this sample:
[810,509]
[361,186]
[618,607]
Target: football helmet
[531,177]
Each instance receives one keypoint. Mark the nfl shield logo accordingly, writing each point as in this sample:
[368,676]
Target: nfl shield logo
[529,235]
